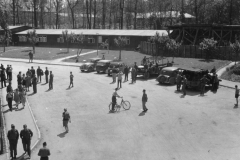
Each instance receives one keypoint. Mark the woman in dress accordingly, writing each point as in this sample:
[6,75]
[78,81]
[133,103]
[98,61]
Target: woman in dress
[16,98]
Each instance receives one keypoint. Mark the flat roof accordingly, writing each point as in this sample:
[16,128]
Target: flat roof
[12,27]
[101,32]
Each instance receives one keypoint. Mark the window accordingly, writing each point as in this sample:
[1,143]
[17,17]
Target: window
[128,40]
[42,39]
[22,38]
[60,40]
[91,39]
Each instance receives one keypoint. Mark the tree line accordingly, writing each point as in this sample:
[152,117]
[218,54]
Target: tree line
[120,14]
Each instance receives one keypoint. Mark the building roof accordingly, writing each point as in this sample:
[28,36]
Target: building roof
[12,27]
[101,32]
[167,14]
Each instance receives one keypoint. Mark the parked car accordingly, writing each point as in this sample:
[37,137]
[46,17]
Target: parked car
[168,75]
[102,66]
[90,65]
[194,75]
[150,70]
[118,66]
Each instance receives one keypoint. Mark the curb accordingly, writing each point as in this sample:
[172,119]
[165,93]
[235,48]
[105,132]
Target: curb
[4,132]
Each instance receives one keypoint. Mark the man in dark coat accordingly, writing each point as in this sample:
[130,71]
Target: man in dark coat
[126,72]
[51,80]
[178,81]
[13,136]
[19,78]
[33,71]
[39,74]
[26,136]
[10,73]
[7,71]
[46,74]
[34,83]
[9,87]
[3,76]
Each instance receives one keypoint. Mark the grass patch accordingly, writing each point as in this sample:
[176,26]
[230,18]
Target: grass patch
[41,53]
[230,75]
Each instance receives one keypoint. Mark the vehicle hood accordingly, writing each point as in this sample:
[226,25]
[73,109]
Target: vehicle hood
[87,64]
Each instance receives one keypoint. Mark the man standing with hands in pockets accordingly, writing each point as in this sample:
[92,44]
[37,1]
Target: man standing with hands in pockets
[66,119]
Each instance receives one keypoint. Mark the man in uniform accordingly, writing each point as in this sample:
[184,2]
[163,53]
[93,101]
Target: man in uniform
[184,84]
[178,81]
[33,71]
[19,78]
[66,119]
[51,80]
[3,76]
[203,82]
[71,79]
[13,136]
[39,74]
[34,83]
[46,74]
[26,136]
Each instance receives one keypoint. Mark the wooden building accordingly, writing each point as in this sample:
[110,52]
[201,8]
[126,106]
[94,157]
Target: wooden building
[93,37]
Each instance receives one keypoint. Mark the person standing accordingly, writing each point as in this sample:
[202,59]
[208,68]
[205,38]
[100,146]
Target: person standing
[114,98]
[16,98]
[9,87]
[19,78]
[119,79]
[34,83]
[39,74]
[126,72]
[103,57]
[46,74]
[7,71]
[44,152]
[184,84]
[24,81]
[9,98]
[33,71]
[10,73]
[28,82]
[66,119]
[133,75]
[26,136]
[3,76]
[22,96]
[71,79]
[13,136]
[114,72]
[203,82]
[51,80]
[144,101]
[30,54]
[236,94]
[178,81]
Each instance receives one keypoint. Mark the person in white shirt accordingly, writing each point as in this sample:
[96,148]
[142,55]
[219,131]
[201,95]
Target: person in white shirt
[114,98]
[119,79]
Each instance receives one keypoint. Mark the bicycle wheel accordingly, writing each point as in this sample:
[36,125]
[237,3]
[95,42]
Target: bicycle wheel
[110,107]
[126,105]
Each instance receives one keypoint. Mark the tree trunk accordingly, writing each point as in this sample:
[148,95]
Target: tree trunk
[94,13]
[33,48]
[196,11]
[230,12]
[88,21]
[73,18]
[135,14]
[35,13]
[13,4]
[120,53]
[103,13]
[110,15]
[90,12]
[122,8]
[57,14]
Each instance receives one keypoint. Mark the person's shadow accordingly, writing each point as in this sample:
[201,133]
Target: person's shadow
[235,106]
[62,135]
[142,113]
[31,94]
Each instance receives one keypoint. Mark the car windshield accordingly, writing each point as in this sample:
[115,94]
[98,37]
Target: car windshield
[101,64]
[116,65]
[167,73]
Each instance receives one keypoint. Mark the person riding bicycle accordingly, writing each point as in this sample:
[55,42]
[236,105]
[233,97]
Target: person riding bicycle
[114,98]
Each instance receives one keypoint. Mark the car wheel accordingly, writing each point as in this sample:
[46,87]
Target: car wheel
[162,79]
[82,70]
[98,72]
[172,81]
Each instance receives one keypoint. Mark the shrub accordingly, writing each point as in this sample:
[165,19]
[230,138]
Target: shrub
[236,71]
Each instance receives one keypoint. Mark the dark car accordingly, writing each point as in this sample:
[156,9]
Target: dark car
[118,66]
[102,66]
[90,65]
[168,75]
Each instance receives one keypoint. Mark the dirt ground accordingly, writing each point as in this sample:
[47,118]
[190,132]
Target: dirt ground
[174,128]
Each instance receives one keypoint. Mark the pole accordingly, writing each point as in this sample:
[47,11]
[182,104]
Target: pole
[97,44]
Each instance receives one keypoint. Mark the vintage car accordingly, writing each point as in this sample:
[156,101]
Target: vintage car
[168,75]
[90,65]
[194,75]
[102,66]
[150,70]
[118,66]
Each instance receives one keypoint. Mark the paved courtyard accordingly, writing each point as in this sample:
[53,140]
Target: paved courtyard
[174,128]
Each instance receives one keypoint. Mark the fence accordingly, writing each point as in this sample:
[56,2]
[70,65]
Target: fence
[187,51]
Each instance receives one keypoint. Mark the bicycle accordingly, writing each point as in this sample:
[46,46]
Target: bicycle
[125,104]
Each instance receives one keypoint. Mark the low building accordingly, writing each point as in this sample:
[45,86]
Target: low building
[93,37]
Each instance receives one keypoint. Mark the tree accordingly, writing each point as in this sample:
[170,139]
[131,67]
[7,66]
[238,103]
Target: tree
[79,38]
[235,47]
[105,45]
[67,38]
[120,42]
[72,4]
[208,45]
[173,46]
[58,5]
[6,37]
[32,38]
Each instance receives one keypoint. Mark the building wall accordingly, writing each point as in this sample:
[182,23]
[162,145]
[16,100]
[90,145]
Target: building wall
[52,42]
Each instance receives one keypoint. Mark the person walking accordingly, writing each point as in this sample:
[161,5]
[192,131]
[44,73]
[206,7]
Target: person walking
[178,81]
[22,96]
[19,78]
[16,98]
[9,87]
[39,74]
[44,152]
[3,76]
[30,54]
[26,136]
[28,82]
[184,84]
[66,119]
[51,80]
[9,98]
[126,72]
[10,73]
[114,73]
[46,74]
[236,94]
[203,82]
[119,79]
[144,101]
[71,79]
[13,136]
[34,83]
[114,98]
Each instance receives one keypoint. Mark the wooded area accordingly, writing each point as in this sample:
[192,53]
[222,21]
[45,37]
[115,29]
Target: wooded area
[120,14]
